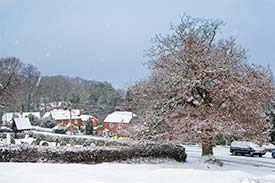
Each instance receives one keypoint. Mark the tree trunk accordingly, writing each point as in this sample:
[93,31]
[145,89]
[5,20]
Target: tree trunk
[207,142]
[272,135]
[29,102]
[207,149]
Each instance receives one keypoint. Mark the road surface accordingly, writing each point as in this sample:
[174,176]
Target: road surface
[265,163]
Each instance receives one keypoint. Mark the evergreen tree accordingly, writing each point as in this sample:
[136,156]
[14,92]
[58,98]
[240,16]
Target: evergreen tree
[89,130]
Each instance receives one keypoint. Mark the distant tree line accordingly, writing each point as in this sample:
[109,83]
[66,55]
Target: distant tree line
[22,88]
[17,84]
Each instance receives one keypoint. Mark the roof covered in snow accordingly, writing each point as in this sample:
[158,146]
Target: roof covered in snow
[22,123]
[7,117]
[120,117]
[85,117]
[60,114]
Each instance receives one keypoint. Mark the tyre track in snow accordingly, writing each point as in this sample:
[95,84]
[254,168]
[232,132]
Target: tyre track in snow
[238,161]
[248,163]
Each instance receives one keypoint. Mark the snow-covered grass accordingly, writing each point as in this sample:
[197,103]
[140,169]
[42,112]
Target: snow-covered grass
[50,138]
[122,173]
[29,141]
[70,136]
[41,129]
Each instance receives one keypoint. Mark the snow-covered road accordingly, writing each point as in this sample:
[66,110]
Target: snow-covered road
[251,164]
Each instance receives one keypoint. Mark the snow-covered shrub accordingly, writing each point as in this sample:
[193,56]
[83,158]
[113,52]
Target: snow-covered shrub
[78,139]
[59,129]
[19,135]
[48,122]
[73,142]
[89,155]
[12,140]
[75,130]
[87,143]
[45,143]
[36,142]
[220,140]
[63,143]
[35,121]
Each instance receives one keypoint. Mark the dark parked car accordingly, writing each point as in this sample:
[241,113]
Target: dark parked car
[273,154]
[246,148]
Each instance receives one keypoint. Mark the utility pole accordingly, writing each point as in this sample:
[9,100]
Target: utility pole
[70,121]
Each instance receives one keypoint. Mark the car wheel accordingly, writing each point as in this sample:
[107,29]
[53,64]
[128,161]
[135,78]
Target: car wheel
[260,155]
[234,153]
[273,155]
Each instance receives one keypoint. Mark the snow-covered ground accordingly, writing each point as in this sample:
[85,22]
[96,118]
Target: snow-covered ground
[236,169]
[74,136]
[122,173]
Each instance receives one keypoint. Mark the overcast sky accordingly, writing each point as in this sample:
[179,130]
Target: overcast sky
[105,40]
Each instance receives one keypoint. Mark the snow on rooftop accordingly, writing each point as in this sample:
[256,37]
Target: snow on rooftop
[22,123]
[46,115]
[120,117]
[85,117]
[60,114]
[7,117]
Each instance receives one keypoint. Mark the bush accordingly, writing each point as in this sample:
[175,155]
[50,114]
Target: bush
[73,142]
[220,140]
[59,129]
[35,121]
[86,143]
[63,143]
[45,144]
[36,142]
[67,138]
[48,123]
[82,129]
[21,153]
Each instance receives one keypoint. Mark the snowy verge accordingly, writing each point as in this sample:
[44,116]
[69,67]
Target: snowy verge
[123,173]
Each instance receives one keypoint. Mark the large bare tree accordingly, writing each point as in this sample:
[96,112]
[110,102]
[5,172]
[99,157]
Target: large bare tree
[201,86]
[31,82]
[17,83]
[9,81]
